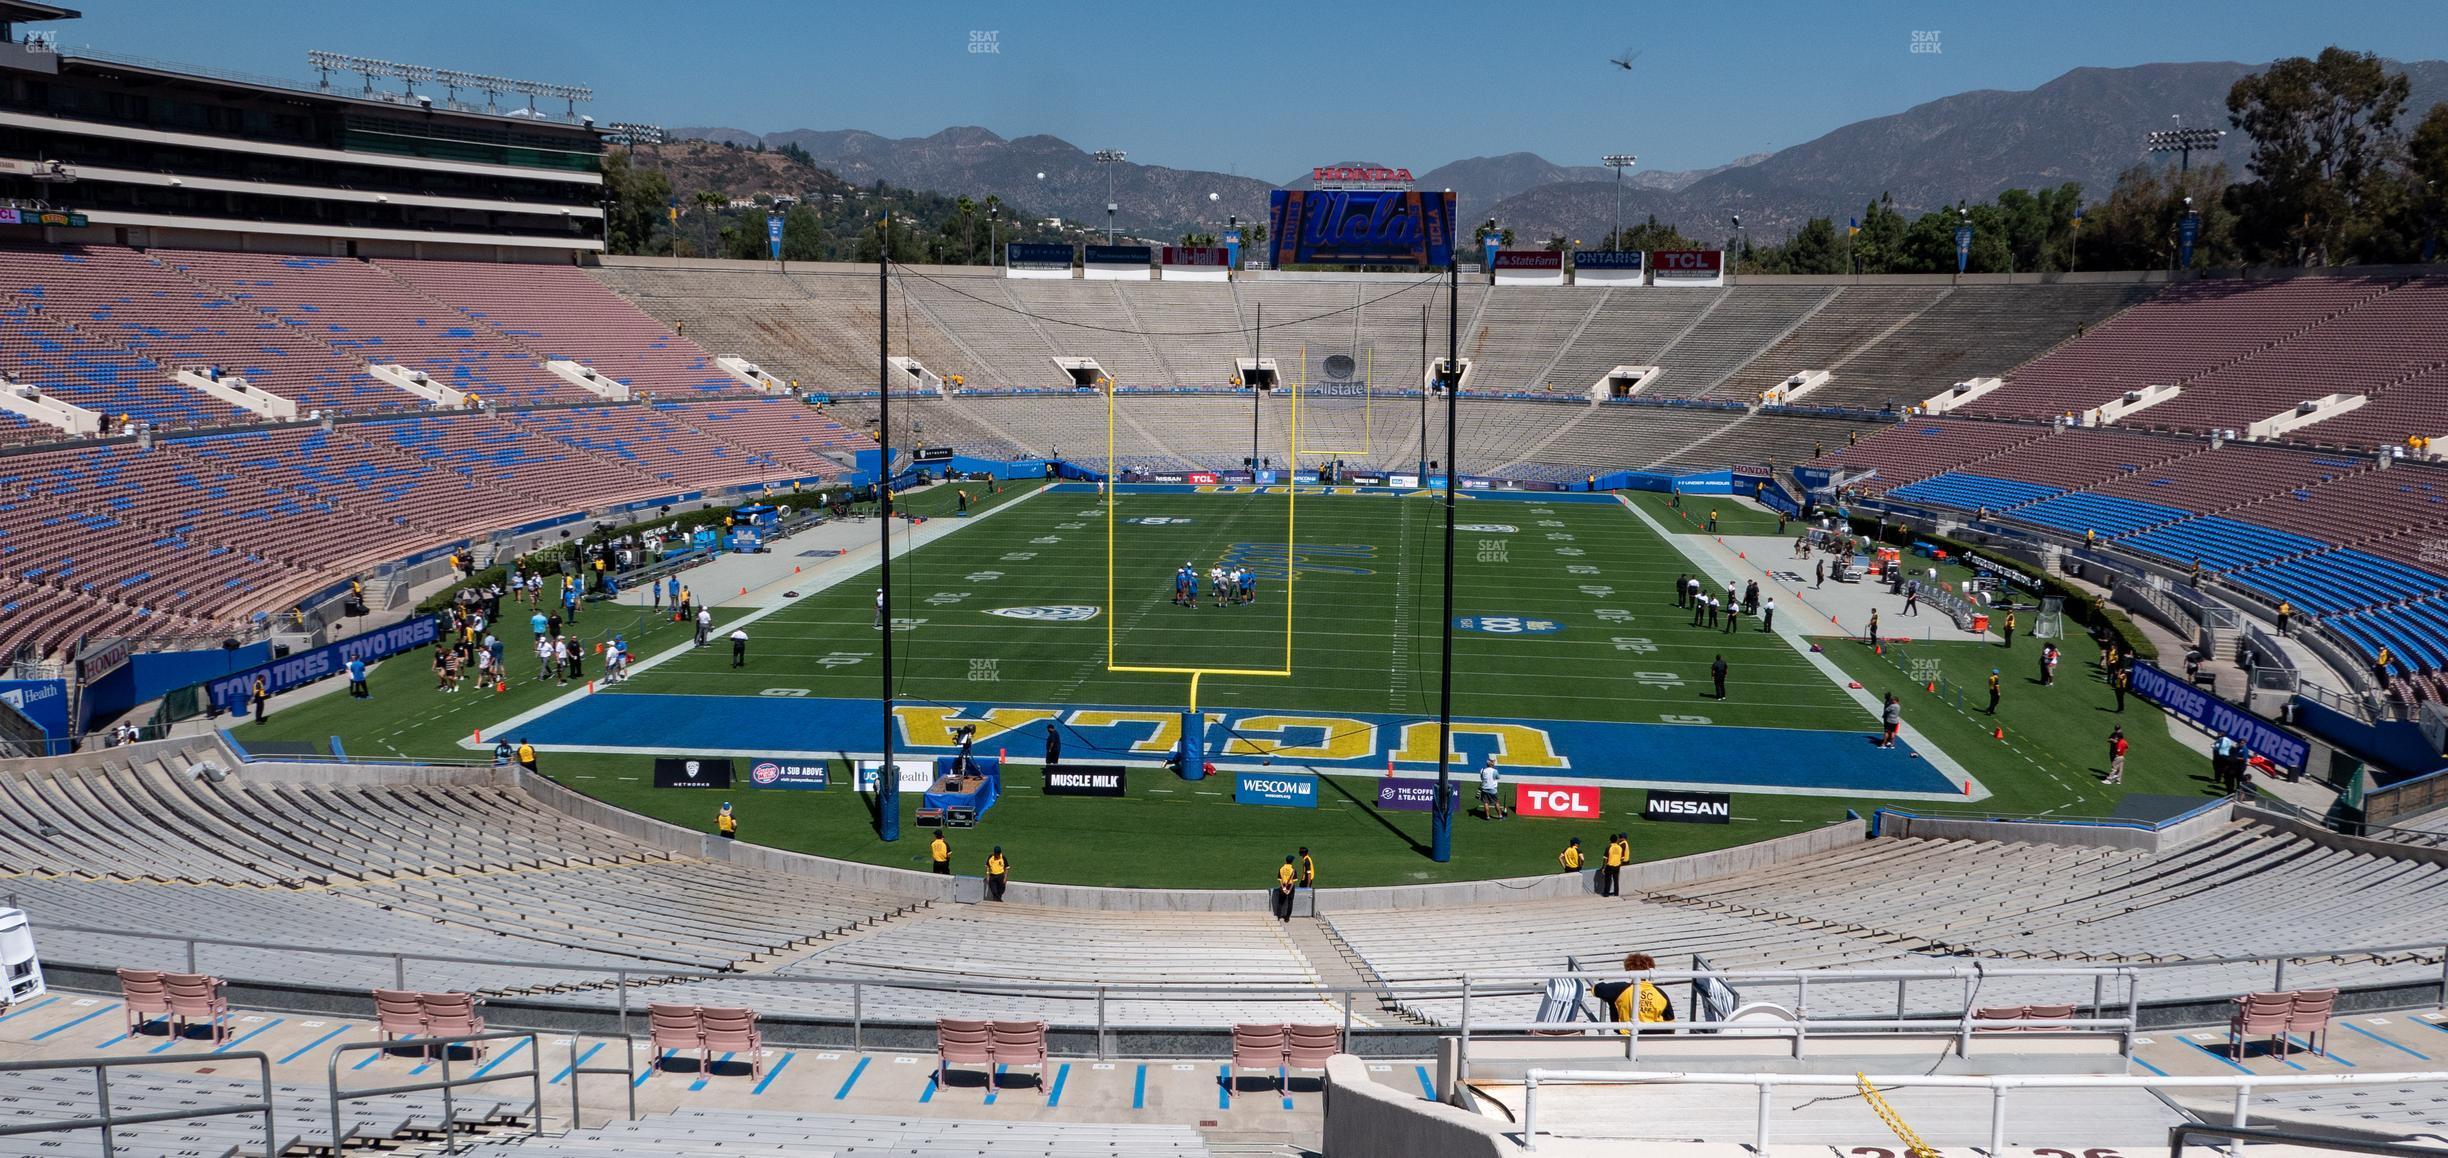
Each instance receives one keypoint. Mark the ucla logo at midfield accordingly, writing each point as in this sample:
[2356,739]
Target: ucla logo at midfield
[1059,613]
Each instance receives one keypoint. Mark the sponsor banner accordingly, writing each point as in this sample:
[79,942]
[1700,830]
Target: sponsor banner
[1529,267]
[692,772]
[103,660]
[1689,807]
[1036,259]
[41,217]
[1163,478]
[1160,521]
[1199,262]
[229,693]
[1358,176]
[1364,479]
[1564,801]
[44,702]
[1608,259]
[1196,255]
[1117,262]
[813,774]
[1200,478]
[1484,528]
[1506,624]
[914,775]
[1360,227]
[1688,266]
[2212,714]
[1052,613]
[1402,480]
[1276,789]
[1406,795]
[1529,259]
[1085,780]
[932,454]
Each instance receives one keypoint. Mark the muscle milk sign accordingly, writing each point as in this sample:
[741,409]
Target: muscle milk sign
[1565,801]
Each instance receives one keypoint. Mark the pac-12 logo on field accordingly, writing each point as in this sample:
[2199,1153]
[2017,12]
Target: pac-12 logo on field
[1159,521]
[1061,613]
[1506,624]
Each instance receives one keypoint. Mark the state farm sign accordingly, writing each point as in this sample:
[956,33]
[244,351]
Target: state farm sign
[1570,802]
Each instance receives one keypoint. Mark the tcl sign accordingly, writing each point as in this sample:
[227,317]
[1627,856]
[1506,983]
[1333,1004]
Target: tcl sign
[1570,803]
[1671,261]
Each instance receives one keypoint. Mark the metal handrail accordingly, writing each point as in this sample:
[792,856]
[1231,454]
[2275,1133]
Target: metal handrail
[627,1070]
[2239,1134]
[108,1123]
[450,1111]
[1999,1086]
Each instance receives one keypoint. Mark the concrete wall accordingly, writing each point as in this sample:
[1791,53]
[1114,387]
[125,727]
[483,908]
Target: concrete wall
[2080,835]
[1367,1120]
[2362,845]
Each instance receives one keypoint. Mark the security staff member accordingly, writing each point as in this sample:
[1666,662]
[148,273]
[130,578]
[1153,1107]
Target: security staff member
[1308,869]
[1717,673]
[526,754]
[1570,858]
[2010,624]
[1618,853]
[1283,890]
[726,824]
[261,694]
[941,854]
[1993,691]
[998,873]
[2120,680]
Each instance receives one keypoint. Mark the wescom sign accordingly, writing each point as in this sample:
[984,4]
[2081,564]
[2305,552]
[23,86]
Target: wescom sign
[1570,802]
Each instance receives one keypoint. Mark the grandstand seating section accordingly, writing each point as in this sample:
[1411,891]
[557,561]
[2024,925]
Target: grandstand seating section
[558,312]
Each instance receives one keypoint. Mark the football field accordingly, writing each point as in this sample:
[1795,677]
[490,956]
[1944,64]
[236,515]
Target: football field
[1058,612]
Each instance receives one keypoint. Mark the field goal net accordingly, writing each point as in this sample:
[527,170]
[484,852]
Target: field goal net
[1335,398]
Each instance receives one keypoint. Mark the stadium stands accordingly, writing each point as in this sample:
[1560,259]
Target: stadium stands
[558,312]
[1972,332]
[148,310]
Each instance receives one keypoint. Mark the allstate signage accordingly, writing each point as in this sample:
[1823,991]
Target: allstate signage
[1276,789]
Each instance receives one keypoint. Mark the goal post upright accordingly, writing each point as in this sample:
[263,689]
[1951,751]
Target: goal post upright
[1193,722]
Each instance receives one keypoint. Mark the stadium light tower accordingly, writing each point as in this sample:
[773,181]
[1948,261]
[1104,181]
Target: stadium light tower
[2182,141]
[1618,162]
[1109,158]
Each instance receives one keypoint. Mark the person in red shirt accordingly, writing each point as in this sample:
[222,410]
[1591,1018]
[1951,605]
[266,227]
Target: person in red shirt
[2116,756]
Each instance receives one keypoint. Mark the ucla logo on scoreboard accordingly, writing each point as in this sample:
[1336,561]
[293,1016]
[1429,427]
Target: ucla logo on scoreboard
[1506,624]
[1059,613]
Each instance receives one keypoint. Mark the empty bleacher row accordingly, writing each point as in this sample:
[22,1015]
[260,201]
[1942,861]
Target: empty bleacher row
[2342,538]
[138,841]
[2239,353]
[302,1115]
[1908,903]
[692,1133]
[1887,345]
[222,527]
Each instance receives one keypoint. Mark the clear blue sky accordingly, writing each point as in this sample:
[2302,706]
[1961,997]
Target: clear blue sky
[1277,87]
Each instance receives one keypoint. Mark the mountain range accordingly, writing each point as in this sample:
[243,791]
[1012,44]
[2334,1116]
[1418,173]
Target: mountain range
[2084,126]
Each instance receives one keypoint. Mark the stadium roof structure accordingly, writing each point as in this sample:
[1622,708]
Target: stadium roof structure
[24,12]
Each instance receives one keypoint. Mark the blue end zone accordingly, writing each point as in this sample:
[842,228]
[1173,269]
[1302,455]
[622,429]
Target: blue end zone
[1785,760]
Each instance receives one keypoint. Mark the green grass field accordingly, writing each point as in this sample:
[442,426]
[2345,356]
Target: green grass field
[1364,641]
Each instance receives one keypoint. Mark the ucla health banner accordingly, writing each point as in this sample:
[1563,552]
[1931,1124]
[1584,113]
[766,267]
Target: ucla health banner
[1361,227]
[2212,714]
[229,693]
[44,703]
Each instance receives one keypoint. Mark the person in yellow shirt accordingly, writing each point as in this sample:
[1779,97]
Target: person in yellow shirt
[1610,876]
[1631,1002]
[1570,858]
[998,873]
[1284,878]
[1308,869]
[941,854]
[725,823]
[526,755]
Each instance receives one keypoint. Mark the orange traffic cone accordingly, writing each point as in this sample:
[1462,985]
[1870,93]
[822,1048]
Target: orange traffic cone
[1933,687]
[743,591]
[502,688]
[480,735]
[590,687]
[2000,734]
[1967,787]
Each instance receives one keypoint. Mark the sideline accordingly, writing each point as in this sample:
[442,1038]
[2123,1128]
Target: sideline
[828,574]
[1719,562]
